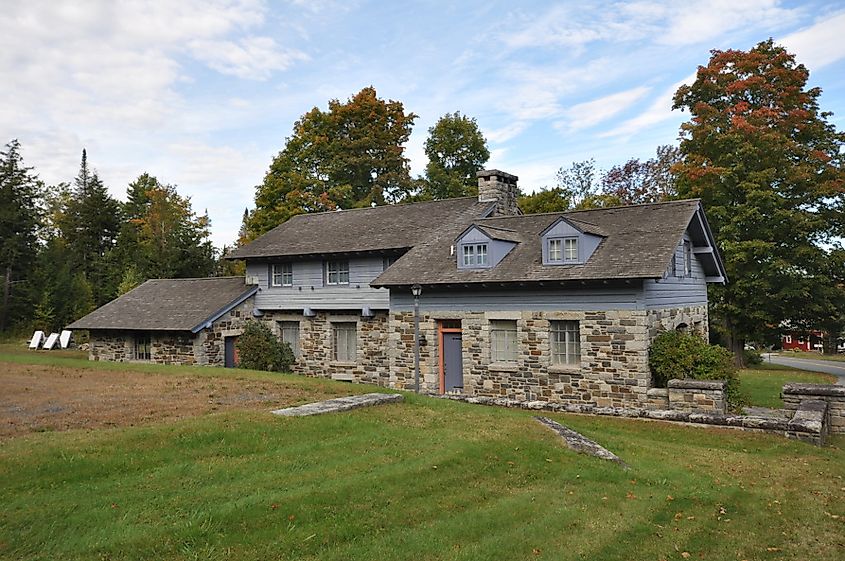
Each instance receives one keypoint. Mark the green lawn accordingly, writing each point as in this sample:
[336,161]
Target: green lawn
[761,384]
[426,479]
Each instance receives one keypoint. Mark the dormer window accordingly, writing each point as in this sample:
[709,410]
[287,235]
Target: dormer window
[475,255]
[563,250]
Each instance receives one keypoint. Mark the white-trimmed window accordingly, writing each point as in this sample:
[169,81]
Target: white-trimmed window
[556,250]
[282,274]
[503,345]
[337,272]
[563,250]
[290,335]
[687,259]
[570,249]
[143,350]
[475,255]
[345,341]
[565,342]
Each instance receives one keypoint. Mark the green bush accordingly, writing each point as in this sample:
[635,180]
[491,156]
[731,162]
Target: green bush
[675,354]
[259,349]
[752,357]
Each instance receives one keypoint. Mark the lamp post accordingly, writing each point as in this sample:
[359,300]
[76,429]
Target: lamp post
[416,290]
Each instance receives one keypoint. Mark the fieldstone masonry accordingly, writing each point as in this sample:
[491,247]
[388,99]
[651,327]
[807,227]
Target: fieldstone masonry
[697,396]
[794,395]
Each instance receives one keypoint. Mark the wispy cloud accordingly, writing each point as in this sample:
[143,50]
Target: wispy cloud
[660,110]
[591,113]
[820,44]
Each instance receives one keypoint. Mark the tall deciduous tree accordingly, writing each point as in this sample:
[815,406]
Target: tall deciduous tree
[643,181]
[19,223]
[456,150]
[768,166]
[349,156]
[162,236]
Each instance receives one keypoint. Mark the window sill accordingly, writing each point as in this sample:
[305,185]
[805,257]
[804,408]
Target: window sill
[343,363]
[565,368]
[503,367]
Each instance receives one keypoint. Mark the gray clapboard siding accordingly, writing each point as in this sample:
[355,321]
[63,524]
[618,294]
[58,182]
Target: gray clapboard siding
[674,291]
[309,290]
[548,299]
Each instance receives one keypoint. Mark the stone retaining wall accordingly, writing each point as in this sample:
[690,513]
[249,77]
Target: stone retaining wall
[794,395]
[697,396]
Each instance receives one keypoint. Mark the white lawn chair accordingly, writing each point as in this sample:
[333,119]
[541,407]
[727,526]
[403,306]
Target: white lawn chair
[37,339]
[64,339]
[51,341]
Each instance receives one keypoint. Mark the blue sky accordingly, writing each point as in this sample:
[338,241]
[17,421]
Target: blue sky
[202,93]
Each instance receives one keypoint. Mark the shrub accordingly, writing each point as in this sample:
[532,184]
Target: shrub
[259,349]
[752,357]
[675,354]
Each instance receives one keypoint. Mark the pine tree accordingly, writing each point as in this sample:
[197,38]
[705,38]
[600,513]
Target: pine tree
[19,222]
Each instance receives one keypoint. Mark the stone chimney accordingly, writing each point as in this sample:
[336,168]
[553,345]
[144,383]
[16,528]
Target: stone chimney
[498,187]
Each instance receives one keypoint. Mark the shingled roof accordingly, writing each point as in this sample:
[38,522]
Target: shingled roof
[381,228]
[638,242]
[169,305]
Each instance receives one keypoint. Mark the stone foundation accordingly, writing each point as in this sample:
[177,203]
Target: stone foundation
[166,347]
[613,370]
[317,356]
[691,318]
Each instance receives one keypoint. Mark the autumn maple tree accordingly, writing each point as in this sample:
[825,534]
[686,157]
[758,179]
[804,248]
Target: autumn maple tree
[767,164]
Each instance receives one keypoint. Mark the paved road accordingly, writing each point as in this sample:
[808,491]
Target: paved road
[827,366]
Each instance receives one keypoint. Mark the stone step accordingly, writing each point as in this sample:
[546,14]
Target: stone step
[339,404]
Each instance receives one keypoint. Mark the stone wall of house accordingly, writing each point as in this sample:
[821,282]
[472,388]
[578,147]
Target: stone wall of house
[613,371]
[166,347]
[694,317]
[109,346]
[317,356]
[210,346]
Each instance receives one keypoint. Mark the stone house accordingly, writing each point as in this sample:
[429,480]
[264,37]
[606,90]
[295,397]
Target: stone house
[171,321]
[556,307]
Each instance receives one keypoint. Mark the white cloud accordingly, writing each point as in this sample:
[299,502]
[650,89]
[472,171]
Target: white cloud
[590,113]
[251,58]
[663,22]
[660,110]
[820,44]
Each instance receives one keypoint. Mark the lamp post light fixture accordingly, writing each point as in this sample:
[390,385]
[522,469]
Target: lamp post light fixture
[416,290]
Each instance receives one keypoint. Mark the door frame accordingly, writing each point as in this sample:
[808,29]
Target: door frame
[440,351]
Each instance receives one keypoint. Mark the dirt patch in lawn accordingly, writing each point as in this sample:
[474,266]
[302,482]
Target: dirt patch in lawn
[38,398]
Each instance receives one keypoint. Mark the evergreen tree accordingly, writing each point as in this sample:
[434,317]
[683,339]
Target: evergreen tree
[90,226]
[19,223]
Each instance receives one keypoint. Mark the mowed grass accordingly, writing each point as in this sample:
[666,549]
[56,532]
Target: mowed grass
[761,384]
[812,356]
[426,479]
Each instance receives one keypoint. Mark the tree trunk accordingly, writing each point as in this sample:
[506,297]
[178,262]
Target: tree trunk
[829,343]
[7,289]
[737,346]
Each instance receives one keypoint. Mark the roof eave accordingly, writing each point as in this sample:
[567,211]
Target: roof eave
[225,309]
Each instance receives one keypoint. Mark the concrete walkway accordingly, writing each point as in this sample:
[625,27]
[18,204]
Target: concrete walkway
[827,366]
[339,404]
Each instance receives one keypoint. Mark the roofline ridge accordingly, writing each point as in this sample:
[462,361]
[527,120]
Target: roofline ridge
[197,278]
[390,205]
[615,207]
